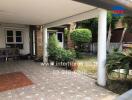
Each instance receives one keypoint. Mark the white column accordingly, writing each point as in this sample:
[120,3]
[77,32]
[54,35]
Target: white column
[45,43]
[102,33]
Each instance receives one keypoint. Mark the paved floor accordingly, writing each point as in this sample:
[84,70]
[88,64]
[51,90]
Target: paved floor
[52,83]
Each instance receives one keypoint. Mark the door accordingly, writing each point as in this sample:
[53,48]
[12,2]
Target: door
[60,38]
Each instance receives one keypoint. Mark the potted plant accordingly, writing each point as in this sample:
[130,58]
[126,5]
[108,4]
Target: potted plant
[74,66]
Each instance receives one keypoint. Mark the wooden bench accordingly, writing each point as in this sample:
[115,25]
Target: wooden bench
[6,53]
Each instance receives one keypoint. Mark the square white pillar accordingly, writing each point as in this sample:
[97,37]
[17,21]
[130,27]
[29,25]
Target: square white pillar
[102,33]
[45,43]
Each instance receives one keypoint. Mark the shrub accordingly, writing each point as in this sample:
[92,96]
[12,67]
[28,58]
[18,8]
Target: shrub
[52,47]
[65,55]
[80,36]
[119,60]
[57,53]
[68,55]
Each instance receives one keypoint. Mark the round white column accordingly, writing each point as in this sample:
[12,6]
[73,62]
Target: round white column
[102,33]
[45,43]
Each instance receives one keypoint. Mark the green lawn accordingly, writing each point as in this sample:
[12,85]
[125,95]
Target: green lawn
[87,65]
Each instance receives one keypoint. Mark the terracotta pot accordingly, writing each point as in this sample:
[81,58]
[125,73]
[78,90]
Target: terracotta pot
[74,66]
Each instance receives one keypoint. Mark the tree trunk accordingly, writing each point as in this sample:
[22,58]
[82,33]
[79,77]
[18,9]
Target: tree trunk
[109,38]
[122,37]
[69,41]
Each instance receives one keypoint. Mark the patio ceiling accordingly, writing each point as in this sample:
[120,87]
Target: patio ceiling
[38,12]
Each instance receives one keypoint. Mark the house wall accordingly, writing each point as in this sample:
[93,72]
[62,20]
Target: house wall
[26,39]
[93,47]
[114,46]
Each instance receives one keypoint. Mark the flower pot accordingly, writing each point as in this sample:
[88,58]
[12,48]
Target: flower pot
[74,66]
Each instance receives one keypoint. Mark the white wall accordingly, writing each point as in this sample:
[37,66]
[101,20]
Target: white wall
[26,39]
[113,46]
[94,47]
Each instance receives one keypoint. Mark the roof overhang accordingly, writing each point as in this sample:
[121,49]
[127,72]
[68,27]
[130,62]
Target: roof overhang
[51,12]
[108,4]
[79,17]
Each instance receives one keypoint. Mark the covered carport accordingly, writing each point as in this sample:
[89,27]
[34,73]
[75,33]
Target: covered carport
[51,13]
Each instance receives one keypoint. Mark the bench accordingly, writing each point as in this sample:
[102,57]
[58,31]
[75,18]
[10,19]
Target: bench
[6,53]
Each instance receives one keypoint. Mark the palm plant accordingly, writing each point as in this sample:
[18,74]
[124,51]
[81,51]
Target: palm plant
[119,60]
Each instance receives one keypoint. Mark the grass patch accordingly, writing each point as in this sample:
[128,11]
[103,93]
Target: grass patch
[87,64]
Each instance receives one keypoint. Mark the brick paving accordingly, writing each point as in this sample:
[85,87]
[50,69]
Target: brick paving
[52,83]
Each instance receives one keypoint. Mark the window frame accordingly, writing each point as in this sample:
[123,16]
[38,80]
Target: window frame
[14,36]
[19,36]
[9,36]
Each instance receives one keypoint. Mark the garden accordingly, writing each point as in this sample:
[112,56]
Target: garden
[118,64]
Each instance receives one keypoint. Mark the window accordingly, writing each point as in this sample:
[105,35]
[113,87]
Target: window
[9,36]
[14,39]
[18,36]
[59,36]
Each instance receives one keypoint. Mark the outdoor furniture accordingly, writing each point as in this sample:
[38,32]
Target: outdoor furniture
[6,53]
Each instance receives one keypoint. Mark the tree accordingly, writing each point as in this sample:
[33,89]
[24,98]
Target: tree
[52,46]
[81,36]
[111,22]
[128,20]
[92,24]
[127,23]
